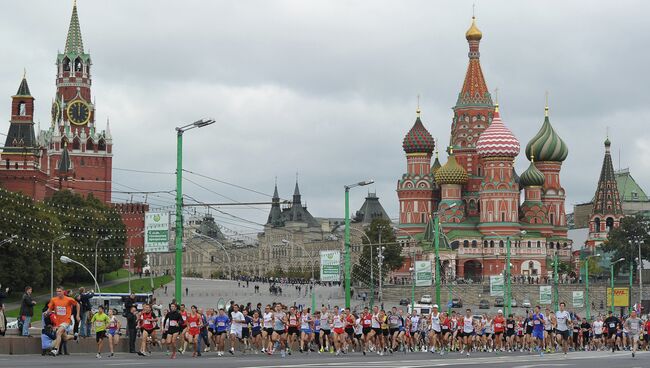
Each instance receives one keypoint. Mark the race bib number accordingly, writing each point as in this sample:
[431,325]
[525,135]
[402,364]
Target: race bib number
[498,325]
[221,324]
[536,322]
[173,323]
[193,324]
[530,323]
[99,324]
[611,325]
[511,326]
[61,311]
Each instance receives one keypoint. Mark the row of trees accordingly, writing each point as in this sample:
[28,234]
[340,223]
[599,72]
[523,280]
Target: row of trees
[35,225]
[623,242]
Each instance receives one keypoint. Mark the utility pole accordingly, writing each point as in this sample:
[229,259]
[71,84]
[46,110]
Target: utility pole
[380,259]
[555,281]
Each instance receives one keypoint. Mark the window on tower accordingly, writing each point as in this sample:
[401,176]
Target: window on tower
[76,143]
[22,111]
[101,145]
[66,64]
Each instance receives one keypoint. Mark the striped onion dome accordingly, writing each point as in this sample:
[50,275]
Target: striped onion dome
[418,139]
[547,144]
[532,177]
[451,172]
[497,140]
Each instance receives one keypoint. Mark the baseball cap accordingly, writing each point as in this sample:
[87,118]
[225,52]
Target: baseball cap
[500,311]
[435,305]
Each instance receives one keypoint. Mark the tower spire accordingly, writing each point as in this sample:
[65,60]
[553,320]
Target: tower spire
[74,43]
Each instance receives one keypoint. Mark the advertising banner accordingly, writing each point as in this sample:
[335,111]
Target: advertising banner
[423,273]
[496,285]
[621,297]
[578,299]
[545,295]
[330,265]
[156,232]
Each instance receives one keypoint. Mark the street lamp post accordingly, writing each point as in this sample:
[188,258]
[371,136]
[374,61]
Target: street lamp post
[97,246]
[65,259]
[222,247]
[347,237]
[52,264]
[638,243]
[611,281]
[380,260]
[313,261]
[436,246]
[587,284]
[178,283]
[507,268]
[372,261]
[413,276]
[555,281]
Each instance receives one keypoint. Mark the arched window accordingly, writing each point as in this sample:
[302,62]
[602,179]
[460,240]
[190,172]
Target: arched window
[465,243]
[500,243]
[485,244]
[474,243]
[76,143]
[66,64]
[551,218]
[609,224]
[597,224]
[491,243]
[90,146]
[78,65]
[529,244]
[101,145]
[539,244]
[551,245]
[22,111]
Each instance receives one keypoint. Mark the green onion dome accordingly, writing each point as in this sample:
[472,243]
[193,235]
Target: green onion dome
[547,144]
[532,177]
[436,165]
[451,173]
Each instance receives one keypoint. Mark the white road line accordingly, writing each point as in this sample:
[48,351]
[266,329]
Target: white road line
[131,363]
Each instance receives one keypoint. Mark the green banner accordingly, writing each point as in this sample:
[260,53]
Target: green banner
[578,299]
[330,265]
[545,295]
[423,273]
[496,285]
[156,235]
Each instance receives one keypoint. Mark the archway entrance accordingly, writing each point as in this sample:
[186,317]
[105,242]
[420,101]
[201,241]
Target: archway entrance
[473,270]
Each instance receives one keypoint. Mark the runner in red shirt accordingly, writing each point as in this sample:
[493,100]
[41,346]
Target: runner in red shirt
[366,328]
[147,324]
[499,327]
[194,323]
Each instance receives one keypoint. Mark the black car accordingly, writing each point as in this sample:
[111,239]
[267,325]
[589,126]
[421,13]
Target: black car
[498,301]
[483,304]
[404,302]
[456,303]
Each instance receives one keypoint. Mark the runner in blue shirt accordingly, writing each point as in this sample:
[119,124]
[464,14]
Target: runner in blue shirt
[223,325]
[538,330]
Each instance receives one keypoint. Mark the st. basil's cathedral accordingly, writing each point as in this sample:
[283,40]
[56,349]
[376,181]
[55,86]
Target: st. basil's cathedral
[477,194]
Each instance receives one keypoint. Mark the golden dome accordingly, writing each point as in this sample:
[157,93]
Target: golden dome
[473,33]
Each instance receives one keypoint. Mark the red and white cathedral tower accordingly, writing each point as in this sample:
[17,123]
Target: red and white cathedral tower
[415,188]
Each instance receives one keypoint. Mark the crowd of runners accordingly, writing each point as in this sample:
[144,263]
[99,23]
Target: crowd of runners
[283,330]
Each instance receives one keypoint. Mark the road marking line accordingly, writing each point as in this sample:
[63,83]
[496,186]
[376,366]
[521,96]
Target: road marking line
[131,363]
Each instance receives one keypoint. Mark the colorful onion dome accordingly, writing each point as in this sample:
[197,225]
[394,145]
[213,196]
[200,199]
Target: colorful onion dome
[451,172]
[532,177]
[473,33]
[547,144]
[418,139]
[497,140]
[436,165]
[516,178]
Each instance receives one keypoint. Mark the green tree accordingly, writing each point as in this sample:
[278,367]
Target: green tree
[622,241]
[392,252]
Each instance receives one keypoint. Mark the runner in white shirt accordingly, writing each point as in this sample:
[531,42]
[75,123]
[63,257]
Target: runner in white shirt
[434,335]
[326,330]
[563,321]
[267,327]
[468,330]
[598,333]
[236,327]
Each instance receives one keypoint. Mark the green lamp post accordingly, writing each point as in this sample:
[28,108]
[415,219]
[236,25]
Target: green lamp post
[178,283]
[347,238]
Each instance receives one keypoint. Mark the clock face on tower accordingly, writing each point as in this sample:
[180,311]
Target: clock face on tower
[78,112]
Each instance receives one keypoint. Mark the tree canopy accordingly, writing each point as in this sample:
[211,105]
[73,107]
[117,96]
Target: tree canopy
[392,252]
[622,242]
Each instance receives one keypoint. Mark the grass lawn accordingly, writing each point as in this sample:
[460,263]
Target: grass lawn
[119,274]
[138,285]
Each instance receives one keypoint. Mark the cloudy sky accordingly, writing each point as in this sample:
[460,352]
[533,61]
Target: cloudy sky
[327,89]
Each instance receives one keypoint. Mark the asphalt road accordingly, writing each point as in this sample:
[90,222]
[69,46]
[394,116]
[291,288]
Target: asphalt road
[413,360]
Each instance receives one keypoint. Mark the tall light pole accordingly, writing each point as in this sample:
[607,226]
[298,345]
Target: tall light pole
[555,281]
[380,260]
[611,281]
[65,259]
[97,246]
[347,237]
[436,246]
[587,284]
[52,264]
[638,243]
[372,261]
[178,282]
[507,267]
[413,275]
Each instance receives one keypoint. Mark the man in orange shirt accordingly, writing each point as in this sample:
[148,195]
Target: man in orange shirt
[61,306]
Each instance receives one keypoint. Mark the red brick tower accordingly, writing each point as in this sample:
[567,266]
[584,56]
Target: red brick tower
[73,124]
[20,170]
[607,211]
[415,188]
[472,115]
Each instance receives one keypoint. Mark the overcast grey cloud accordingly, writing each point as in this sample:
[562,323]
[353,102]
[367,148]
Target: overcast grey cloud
[328,88]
